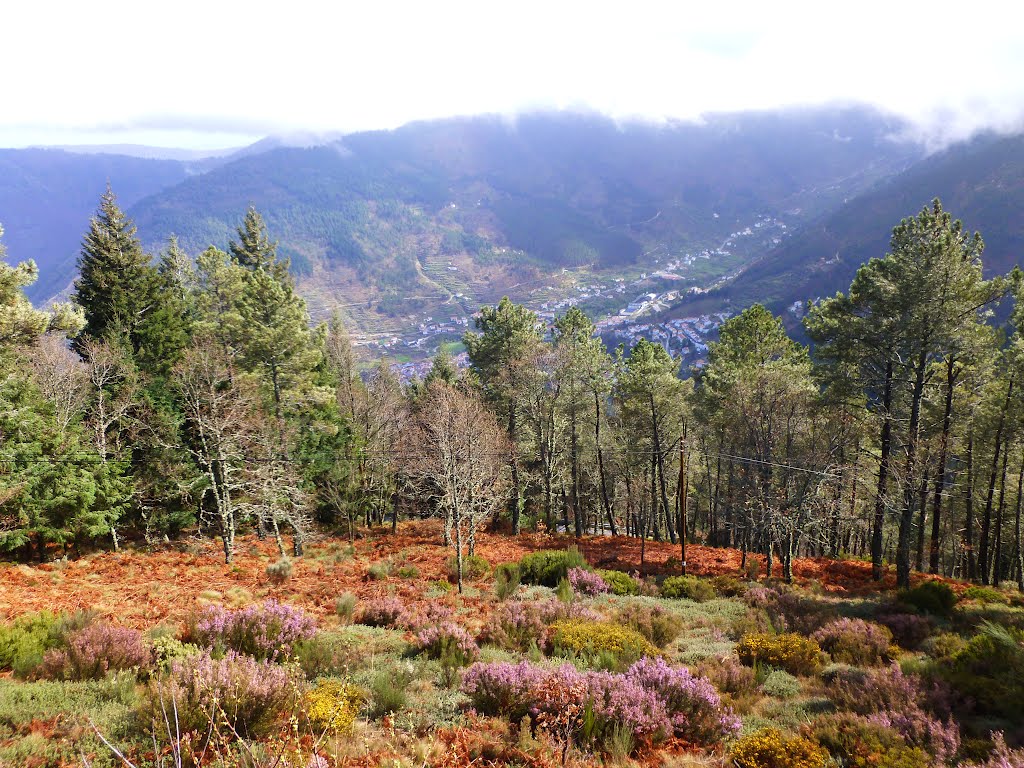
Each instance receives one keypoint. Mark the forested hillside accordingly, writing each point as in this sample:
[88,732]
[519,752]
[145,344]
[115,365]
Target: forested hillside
[229,545]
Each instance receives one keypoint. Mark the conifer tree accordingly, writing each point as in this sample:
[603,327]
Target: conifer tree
[115,287]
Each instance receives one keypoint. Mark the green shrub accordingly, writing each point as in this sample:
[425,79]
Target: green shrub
[780,685]
[768,748]
[473,567]
[796,654]
[345,606]
[167,649]
[659,626]
[986,595]
[600,641]
[549,566]
[24,642]
[989,669]
[932,597]
[388,692]
[688,587]
[325,654]
[507,579]
[728,586]
[620,583]
[408,572]
[280,571]
[379,570]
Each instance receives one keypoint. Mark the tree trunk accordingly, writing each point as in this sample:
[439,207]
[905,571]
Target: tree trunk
[600,466]
[1017,528]
[907,512]
[516,501]
[883,477]
[969,508]
[997,559]
[986,521]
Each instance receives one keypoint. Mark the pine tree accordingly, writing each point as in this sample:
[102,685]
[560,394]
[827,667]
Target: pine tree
[116,284]
[254,249]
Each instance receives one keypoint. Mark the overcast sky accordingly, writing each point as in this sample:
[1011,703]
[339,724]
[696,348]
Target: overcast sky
[218,73]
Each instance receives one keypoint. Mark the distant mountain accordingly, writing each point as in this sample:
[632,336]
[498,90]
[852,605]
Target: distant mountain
[466,209]
[47,197]
[145,152]
[980,182]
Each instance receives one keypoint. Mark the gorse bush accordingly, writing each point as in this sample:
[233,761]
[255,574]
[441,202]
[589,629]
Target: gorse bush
[931,597]
[331,706]
[588,639]
[620,583]
[92,652]
[586,582]
[247,694]
[768,748]
[655,623]
[264,631]
[728,586]
[547,567]
[519,625]
[791,652]
[854,641]
[989,671]
[689,587]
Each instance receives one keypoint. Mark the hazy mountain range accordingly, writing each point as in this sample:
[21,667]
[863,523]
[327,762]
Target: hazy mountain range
[396,227]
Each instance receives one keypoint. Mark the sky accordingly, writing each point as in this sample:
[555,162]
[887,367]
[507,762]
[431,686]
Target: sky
[220,73]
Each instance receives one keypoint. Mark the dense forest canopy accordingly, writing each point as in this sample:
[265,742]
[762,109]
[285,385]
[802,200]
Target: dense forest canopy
[195,393]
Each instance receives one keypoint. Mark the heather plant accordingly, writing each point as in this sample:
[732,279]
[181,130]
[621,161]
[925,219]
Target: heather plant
[264,631]
[795,654]
[381,612]
[769,748]
[280,571]
[247,694]
[588,639]
[689,587]
[92,652]
[692,704]
[518,625]
[887,689]
[547,567]
[587,583]
[930,597]
[855,641]
[620,583]
[939,738]
[729,676]
[909,630]
[861,742]
[1001,756]
[655,623]
[447,640]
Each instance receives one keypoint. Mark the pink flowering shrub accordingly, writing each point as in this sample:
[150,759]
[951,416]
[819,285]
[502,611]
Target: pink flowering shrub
[940,739]
[447,638]
[586,582]
[854,641]
[516,625]
[909,630]
[1002,756]
[247,694]
[888,689]
[264,631]
[92,652]
[651,699]
[382,612]
[415,617]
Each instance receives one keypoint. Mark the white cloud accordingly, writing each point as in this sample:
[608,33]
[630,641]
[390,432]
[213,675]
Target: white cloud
[219,71]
